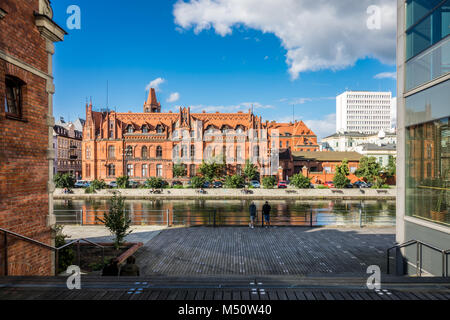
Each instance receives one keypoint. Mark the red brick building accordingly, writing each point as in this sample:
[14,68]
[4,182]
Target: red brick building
[148,144]
[27,36]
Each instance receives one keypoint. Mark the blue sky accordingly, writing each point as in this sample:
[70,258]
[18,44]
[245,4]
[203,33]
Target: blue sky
[212,67]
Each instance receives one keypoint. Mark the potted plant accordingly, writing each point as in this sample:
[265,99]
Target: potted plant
[439,208]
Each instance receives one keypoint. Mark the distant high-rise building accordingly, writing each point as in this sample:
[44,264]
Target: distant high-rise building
[364,111]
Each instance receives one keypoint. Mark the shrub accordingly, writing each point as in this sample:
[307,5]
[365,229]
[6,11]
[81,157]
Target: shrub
[90,189]
[155,183]
[98,184]
[300,181]
[250,171]
[269,182]
[179,170]
[234,181]
[197,182]
[64,180]
[178,186]
[66,256]
[123,182]
[321,186]
[340,179]
[117,220]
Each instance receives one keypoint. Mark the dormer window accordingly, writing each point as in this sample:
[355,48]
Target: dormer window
[144,129]
[130,129]
[159,129]
[239,129]
[14,96]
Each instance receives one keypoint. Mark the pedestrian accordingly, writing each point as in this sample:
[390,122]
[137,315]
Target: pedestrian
[130,269]
[266,213]
[252,210]
[111,269]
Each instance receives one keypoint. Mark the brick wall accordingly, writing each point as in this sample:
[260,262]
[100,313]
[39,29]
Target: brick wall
[23,145]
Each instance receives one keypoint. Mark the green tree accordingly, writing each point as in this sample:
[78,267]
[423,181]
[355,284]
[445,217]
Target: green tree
[300,181]
[154,183]
[211,170]
[64,180]
[123,182]
[340,179]
[117,220]
[391,167]
[369,169]
[98,184]
[269,182]
[197,182]
[179,170]
[250,171]
[234,181]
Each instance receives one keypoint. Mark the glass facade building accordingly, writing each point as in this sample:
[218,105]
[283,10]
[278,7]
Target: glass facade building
[423,202]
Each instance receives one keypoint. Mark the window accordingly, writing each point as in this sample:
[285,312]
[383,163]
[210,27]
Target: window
[192,170]
[428,178]
[88,153]
[159,152]
[144,170]
[129,152]
[130,171]
[111,170]
[184,151]
[159,170]
[159,129]
[130,129]
[192,151]
[238,169]
[111,152]
[14,96]
[256,151]
[144,129]
[144,152]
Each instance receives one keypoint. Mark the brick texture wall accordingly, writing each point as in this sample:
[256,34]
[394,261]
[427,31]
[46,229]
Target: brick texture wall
[23,145]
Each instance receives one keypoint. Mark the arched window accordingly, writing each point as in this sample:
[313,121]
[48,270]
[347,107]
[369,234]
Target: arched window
[144,152]
[159,152]
[129,152]
[111,152]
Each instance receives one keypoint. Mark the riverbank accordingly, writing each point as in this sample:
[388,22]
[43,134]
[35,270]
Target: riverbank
[227,194]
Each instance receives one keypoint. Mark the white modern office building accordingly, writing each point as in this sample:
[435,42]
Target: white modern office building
[365,111]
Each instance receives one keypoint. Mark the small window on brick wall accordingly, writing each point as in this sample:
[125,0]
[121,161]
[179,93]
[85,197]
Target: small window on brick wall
[14,96]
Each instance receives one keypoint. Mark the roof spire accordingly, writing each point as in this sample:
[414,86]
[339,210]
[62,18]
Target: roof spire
[152,104]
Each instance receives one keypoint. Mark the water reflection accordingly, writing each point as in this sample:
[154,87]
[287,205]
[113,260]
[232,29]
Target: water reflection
[232,212]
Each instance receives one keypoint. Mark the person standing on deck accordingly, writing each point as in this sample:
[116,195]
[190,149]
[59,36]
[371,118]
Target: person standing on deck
[252,210]
[266,213]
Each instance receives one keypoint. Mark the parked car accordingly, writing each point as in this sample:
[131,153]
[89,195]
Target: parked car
[206,184]
[329,184]
[82,184]
[361,184]
[176,183]
[133,184]
[348,186]
[217,184]
[282,185]
[255,184]
[112,184]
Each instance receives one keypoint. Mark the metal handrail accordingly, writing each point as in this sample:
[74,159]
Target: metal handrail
[419,244]
[8,232]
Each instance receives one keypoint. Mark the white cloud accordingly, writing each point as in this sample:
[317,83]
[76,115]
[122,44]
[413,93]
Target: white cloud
[173,97]
[266,57]
[386,75]
[244,106]
[155,84]
[317,34]
[324,127]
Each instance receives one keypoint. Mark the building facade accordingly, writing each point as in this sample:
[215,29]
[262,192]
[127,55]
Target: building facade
[27,39]
[423,160]
[149,144]
[67,144]
[352,141]
[365,111]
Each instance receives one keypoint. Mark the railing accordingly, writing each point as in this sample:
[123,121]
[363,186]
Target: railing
[419,246]
[56,250]
[309,217]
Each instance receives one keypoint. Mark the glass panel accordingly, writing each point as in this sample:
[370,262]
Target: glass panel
[428,171]
[432,103]
[416,9]
[428,66]
[430,31]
